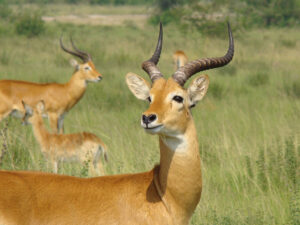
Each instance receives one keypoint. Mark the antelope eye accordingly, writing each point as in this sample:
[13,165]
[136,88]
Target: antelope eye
[149,99]
[87,68]
[178,99]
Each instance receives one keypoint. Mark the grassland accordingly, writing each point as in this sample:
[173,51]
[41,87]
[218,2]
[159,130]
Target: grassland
[248,124]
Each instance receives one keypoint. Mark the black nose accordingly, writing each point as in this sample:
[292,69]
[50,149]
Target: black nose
[148,119]
[100,78]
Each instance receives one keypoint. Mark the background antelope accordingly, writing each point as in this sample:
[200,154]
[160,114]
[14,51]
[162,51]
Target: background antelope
[58,98]
[168,194]
[82,147]
[179,59]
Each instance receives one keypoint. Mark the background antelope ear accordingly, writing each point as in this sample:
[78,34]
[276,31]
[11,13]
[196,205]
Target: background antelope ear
[40,106]
[138,86]
[197,89]
[74,63]
[27,108]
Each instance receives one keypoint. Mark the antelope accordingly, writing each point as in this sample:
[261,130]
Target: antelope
[167,194]
[83,147]
[59,98]
[179,59]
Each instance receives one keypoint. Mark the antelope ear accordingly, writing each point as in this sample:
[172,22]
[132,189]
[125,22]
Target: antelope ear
[74,63]
[40,106]
[197,89]
[27,108]
[138,86]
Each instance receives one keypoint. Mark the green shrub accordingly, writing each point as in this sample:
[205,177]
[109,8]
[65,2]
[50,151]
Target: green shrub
[30,24]
[5,11]
[209,27]
[168,4]
[271,12]
[169,16]
[100,2]
[72,1]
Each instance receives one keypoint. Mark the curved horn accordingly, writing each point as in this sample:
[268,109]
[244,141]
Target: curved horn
[71,52]
[86,55]
[150,65]
[185,72]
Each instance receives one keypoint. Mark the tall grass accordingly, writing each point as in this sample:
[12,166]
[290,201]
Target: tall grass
[248,124]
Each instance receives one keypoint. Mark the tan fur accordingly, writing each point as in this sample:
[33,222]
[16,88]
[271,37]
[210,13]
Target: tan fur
[166,195]
[59,98]
[81,147]
[179,59]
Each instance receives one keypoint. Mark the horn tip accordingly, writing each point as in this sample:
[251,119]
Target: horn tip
[229,27]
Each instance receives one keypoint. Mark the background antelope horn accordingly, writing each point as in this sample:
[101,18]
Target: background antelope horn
[193,67]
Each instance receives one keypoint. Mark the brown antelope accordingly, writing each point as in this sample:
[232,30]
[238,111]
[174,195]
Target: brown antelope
[168,194]
[179,59]
[59,98]
[82,147]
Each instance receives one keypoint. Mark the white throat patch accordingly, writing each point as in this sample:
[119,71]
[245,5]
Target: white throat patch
[176,143]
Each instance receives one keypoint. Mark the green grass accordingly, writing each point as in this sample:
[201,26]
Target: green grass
[248,125]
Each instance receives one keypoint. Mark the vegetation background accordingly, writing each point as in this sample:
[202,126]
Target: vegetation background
[248,124]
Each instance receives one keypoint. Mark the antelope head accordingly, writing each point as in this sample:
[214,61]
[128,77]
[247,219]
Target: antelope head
[31,114]
[170,103]
[86,69]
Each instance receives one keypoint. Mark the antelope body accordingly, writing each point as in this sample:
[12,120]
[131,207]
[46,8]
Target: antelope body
[168,194]
[179,59]
[59,98]
[82,147]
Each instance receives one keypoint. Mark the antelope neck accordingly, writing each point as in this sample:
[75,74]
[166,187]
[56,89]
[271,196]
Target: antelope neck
[39,130]
[76,85]
[179,175]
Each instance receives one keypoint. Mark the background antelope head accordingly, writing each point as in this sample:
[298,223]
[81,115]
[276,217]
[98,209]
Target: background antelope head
[32,114]
[87,70]
[170,103]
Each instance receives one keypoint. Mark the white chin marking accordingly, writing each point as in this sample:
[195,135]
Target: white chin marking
[153,130]
[94,81]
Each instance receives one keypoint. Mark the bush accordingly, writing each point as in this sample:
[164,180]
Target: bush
[72,1]
[5,11]
[168,4]
[271,12]
[30,24]
[100,2]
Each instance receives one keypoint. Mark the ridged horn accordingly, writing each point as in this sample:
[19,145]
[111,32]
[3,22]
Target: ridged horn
[85,57]
[193,67]
[84,54]
[150,65]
